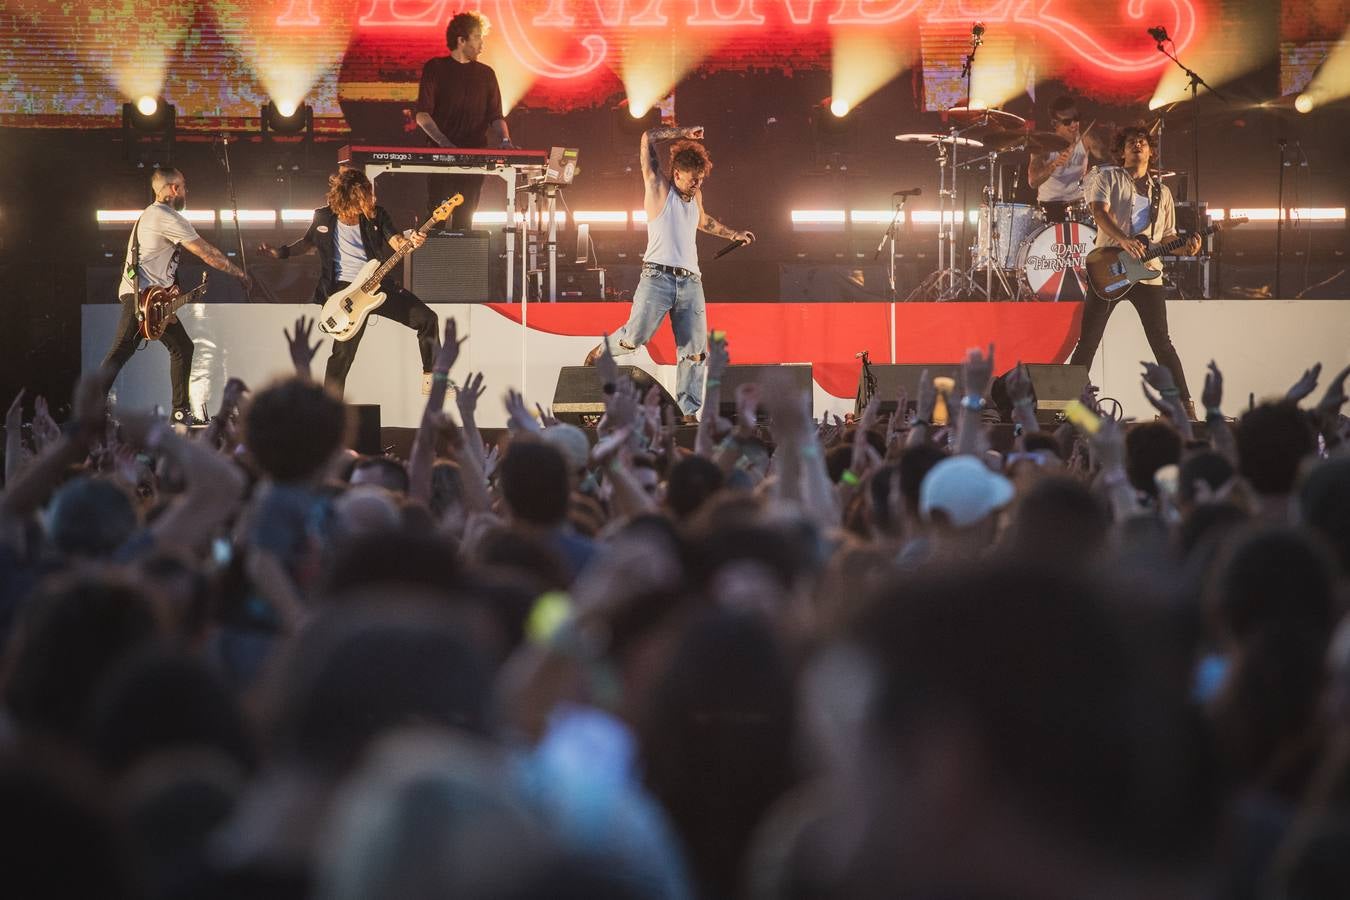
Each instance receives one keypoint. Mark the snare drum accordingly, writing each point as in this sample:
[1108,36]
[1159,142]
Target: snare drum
[1051,261]
[1013,222]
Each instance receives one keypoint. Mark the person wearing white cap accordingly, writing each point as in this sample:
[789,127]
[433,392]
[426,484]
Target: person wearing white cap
[959,498]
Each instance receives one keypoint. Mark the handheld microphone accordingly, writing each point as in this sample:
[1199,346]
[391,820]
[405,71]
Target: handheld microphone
[734,245]
[912,192]
[977,34]
[1158,33]
[861,354]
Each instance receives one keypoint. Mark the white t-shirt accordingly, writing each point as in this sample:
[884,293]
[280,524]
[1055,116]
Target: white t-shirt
[1065,184]
[351,251]
[162,229]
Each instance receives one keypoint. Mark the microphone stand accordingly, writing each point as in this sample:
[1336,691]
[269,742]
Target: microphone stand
[1279,222]
[1195,82]
[234,207]
[889,236]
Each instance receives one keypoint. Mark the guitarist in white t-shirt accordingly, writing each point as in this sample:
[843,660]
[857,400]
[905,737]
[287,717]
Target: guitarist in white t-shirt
[153,250]
[1127,201]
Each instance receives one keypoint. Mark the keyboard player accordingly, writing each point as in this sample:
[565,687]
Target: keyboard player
[459,104]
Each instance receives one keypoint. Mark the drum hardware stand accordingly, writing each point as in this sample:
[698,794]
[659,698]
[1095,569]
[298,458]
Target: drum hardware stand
[1279,222]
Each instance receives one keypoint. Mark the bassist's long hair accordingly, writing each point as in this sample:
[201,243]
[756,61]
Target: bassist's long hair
[350,194]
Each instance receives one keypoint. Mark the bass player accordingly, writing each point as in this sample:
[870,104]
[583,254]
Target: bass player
[347,233]
[1126,202]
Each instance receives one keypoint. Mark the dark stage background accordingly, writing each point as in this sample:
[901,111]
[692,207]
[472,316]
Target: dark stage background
[759,75]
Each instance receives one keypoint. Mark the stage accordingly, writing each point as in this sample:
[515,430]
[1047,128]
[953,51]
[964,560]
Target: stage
[1262,346]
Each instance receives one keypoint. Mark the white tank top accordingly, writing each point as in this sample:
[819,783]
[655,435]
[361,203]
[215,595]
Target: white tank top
[1065,184]
[671,235]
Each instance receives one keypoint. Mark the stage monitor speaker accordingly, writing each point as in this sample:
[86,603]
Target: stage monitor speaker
[363,423]
[1053,384]
[451,267]
[799,375]
[892,376]
[579,398]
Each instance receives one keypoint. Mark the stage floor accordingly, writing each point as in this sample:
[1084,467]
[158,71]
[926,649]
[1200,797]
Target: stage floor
[1262,346]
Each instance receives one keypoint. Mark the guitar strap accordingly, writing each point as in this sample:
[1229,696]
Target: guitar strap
[1155,197]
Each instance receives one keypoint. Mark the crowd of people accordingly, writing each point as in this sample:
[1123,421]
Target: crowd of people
[799,659]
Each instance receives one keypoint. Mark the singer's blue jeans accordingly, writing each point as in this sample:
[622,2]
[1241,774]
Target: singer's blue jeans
[657,294]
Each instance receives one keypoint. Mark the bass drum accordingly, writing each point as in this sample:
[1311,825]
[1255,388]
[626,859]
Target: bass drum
[1050,261]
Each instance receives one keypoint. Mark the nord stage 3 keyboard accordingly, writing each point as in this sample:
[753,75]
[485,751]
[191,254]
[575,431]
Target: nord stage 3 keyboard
[447,157]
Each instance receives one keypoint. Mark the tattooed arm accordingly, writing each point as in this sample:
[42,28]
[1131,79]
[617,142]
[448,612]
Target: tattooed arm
[213,257]
[707,223]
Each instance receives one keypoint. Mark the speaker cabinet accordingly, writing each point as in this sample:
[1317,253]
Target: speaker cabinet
[451,267]
[579,398]
[363,424]
[1052,384]
[799,375]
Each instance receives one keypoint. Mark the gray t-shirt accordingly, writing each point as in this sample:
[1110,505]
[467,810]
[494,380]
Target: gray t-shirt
[162,229]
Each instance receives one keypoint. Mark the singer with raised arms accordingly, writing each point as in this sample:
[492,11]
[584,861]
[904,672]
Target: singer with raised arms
[671,282]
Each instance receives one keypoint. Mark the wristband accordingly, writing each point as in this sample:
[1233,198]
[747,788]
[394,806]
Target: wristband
[1171,392]
[972,402]
[849,478]
[713,382]
[1025,401]
[440,376]
[810,451]
[917,422]
[1213,412]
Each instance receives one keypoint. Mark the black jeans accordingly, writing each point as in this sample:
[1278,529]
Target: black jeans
[127,336]
[1149,301]
[442,187]
[401,306]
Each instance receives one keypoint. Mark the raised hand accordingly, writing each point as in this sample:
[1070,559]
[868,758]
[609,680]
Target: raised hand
[45,430]
[1159,378]
[719,355]
[1211,397]
[449,349]
[269,250]
[518,416]
[468,395]
[694,132]
[1018,383]
[14,418]
[235,389]
[1305,385]
[302,354]
[977,371]
[608,368]
[1088,397]
[546,416]
[1330,405]
[927,401]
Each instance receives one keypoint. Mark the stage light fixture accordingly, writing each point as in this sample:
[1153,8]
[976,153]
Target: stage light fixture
[147,105]
[149,117]
[1304,103]
[635,119]
[286,117]
[839,107]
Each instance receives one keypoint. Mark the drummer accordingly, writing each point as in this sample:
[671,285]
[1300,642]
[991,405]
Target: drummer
[1057,176]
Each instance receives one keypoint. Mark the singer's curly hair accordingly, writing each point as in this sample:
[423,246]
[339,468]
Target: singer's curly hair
[691,156]
[1123,135]
[350,194]
[463,25]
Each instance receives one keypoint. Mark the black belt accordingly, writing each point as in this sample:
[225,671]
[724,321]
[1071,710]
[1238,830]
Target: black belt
[673,270]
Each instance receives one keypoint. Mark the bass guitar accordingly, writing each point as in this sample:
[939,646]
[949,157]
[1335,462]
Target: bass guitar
[1112,271]
[345,312]
[156,305]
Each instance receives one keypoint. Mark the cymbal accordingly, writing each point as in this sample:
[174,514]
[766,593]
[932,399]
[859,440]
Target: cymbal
[1156,173]
[937,139]
[997,117]
[1045,141]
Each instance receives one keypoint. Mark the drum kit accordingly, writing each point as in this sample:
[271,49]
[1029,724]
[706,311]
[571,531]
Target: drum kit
[1029,252]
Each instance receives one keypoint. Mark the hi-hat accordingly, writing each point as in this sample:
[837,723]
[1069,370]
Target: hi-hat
[937,139]
[972,114]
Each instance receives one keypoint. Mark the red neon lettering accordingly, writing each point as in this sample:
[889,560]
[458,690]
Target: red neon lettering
[651,16]
[1182,29]
[517,39]
[744,15]
[610,13]
[863,12]
[801,13]
[960,11]
[290,16]
[395,13]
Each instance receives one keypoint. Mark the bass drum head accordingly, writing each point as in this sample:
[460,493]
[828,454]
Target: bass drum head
[1051,261]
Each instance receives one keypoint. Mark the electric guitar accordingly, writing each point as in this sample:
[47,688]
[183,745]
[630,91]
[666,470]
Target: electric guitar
[345,312]
[1112,271]
[156,305]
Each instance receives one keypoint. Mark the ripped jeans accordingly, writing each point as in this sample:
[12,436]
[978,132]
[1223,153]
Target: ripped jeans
[660,292]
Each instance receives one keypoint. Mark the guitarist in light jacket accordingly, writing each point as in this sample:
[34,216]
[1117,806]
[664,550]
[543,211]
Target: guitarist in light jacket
[347,233]
[1126,201]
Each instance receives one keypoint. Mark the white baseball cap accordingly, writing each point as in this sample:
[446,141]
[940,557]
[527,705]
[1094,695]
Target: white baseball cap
[965,489]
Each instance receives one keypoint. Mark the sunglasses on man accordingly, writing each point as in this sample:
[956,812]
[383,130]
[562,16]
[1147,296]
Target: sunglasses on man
[1069,121]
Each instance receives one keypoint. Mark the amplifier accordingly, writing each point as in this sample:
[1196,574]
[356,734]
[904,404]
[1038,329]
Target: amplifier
[579,398]
[798,374]
[580,284]
[451,267]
